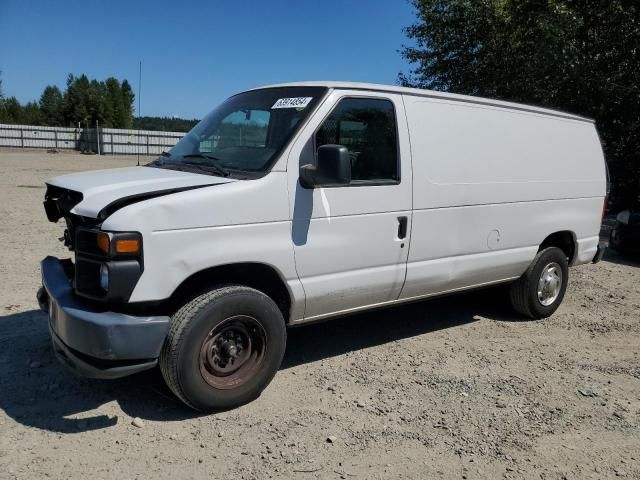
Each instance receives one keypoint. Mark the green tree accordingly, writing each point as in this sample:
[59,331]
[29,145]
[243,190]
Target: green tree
[76,100]
[4,115]
[15,113]
[165,124]
[51,106]
[97,102]
[581,56]
[12,110]
[31,114]
[113,103]
[126,120]
[109,102]
[84,101]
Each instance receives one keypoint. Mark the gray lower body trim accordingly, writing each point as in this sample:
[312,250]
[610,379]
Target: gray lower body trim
[399,301]
[98,342]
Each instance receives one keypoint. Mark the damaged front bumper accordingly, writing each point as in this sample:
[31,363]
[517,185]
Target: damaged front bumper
[91,340]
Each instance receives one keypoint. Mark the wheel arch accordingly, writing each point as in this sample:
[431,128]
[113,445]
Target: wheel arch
[263,277]
[565,240]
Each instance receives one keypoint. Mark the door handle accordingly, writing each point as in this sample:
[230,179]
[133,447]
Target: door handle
[402,227]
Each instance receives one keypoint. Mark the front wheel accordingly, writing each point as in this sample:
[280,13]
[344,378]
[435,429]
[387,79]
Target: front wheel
[223,348]
[540,290]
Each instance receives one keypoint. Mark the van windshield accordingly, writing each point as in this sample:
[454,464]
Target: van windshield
[244,135]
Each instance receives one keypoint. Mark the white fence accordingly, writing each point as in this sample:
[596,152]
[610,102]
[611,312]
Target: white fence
[144,142]
[106,140]
[27,136]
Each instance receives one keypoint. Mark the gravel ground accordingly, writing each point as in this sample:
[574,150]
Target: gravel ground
[456,387]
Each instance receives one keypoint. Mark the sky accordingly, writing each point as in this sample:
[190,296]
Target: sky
[197,53]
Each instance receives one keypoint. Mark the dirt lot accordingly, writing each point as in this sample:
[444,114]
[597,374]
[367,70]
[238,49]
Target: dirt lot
[451,388]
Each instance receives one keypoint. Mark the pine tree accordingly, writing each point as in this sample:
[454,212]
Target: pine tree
[51,106]
[31,114]
[84,101]
[76,101]
[4,116]
[13,110]
[128,98]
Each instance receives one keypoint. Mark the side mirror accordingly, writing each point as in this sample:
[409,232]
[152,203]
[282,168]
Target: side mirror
[333,168]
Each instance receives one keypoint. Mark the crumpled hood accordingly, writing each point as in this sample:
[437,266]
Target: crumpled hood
[101,189]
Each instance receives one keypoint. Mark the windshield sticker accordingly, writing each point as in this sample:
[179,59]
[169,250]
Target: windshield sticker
[294,102]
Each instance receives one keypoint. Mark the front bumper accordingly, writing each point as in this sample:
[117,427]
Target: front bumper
[91,340]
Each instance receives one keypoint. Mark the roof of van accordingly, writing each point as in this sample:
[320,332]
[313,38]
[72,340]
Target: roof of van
[432,94]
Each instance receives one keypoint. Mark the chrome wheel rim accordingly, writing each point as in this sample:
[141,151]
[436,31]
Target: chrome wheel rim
[549,284]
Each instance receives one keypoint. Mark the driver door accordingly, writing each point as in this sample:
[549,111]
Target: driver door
[351,242]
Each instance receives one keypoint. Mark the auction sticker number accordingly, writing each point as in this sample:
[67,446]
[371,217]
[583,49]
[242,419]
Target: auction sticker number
[293,102]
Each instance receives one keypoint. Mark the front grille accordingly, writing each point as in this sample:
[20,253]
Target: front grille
[87,280]
[88,260]
[74,223]
[87,242]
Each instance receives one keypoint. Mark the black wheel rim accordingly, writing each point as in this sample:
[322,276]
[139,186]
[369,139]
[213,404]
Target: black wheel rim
[232,352]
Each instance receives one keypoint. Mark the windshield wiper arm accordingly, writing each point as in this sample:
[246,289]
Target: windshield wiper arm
[201,155]
[191,166]
[214,165]
[158,162]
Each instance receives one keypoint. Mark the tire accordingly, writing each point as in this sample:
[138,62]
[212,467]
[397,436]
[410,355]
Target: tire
[223,348]
[524,292]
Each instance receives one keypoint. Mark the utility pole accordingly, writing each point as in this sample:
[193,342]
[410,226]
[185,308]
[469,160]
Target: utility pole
[139,89]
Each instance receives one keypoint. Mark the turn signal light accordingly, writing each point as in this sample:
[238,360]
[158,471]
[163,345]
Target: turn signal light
[103,242]
[127,246]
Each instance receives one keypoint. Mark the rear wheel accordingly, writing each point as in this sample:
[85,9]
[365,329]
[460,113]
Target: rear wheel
[223,348]
[540,290]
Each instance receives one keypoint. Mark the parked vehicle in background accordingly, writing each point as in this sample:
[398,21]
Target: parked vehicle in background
[625,235]
[299,202]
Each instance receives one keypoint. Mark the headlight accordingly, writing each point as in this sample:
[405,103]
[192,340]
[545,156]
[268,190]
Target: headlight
[118,243]
[103,242]
[624,216]
[104,277]
[108,264]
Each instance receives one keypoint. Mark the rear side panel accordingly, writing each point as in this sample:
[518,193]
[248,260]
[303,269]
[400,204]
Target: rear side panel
[490,185]
[465,154]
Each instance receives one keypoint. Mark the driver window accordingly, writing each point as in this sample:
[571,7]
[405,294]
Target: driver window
[367,127]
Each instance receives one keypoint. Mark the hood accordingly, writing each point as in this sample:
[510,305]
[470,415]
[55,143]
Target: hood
[98,193]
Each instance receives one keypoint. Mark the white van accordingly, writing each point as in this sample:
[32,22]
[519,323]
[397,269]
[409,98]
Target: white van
[298,202]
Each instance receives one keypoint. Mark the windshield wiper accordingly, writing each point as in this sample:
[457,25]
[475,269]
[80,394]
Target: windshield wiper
[158,162]
[188,167]
[213,164]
